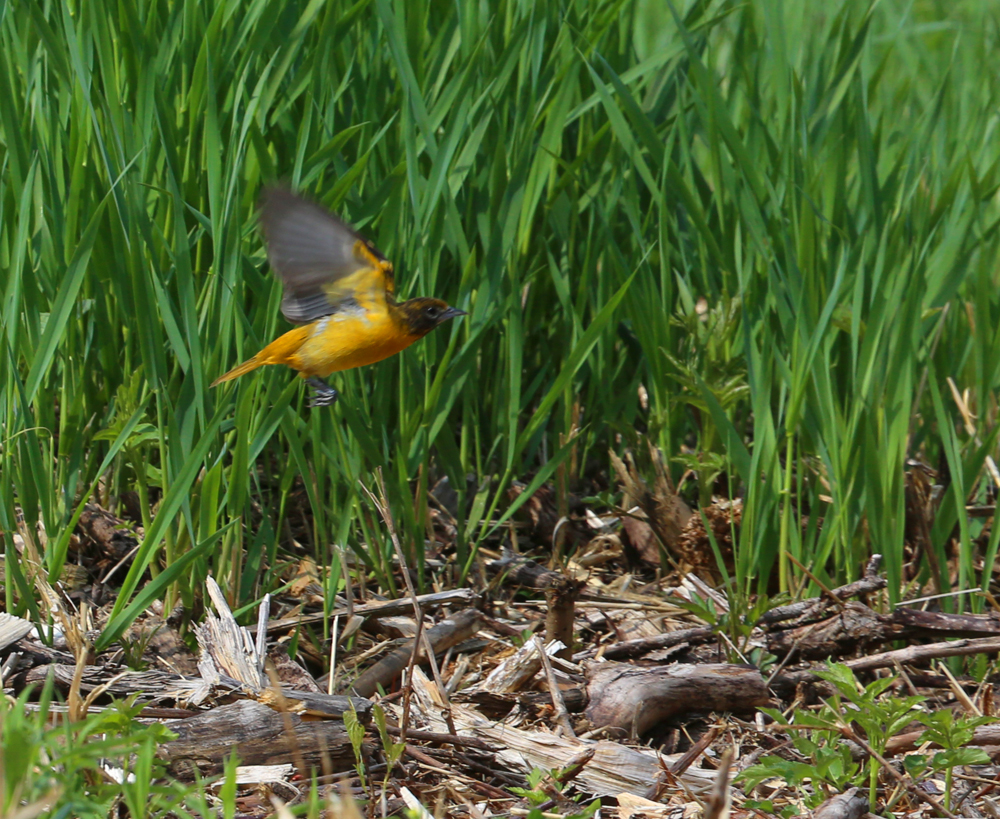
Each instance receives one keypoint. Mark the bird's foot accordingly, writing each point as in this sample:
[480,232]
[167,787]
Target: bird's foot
[324,395]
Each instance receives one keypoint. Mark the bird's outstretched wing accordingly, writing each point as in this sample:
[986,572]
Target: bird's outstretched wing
[324,265]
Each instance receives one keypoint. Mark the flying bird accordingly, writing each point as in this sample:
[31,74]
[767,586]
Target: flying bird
[340,290]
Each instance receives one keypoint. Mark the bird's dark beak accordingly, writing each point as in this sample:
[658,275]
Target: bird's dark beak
[452,312]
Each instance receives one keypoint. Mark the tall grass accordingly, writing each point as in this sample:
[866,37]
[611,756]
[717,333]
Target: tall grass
[577,175]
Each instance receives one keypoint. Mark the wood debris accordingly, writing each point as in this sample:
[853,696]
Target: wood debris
[463,708]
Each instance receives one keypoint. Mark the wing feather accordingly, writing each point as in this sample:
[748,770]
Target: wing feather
[311,250]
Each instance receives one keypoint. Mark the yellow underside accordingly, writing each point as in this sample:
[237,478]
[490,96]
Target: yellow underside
[342,343]
[334,343]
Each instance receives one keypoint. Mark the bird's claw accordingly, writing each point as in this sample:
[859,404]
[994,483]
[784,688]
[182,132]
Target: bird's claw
[324,395]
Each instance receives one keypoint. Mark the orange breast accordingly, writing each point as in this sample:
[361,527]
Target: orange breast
[349,339]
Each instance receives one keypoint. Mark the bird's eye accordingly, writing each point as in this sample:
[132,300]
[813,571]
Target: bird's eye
[431,312]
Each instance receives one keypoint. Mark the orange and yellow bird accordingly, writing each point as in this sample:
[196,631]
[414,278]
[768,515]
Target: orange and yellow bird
[340,289]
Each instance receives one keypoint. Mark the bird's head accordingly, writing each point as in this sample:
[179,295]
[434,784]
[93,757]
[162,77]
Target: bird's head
[422,315]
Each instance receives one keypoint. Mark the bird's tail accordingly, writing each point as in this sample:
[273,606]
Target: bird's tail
[245,367]
[282,350]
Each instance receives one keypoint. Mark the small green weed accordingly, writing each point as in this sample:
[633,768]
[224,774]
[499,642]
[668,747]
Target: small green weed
[356,736]
[827,761]
[546,786]
[953,734]
[738,622]
[393,750]
[62,769]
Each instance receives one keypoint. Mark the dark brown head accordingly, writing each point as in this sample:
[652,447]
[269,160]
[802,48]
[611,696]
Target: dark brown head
[422,315]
